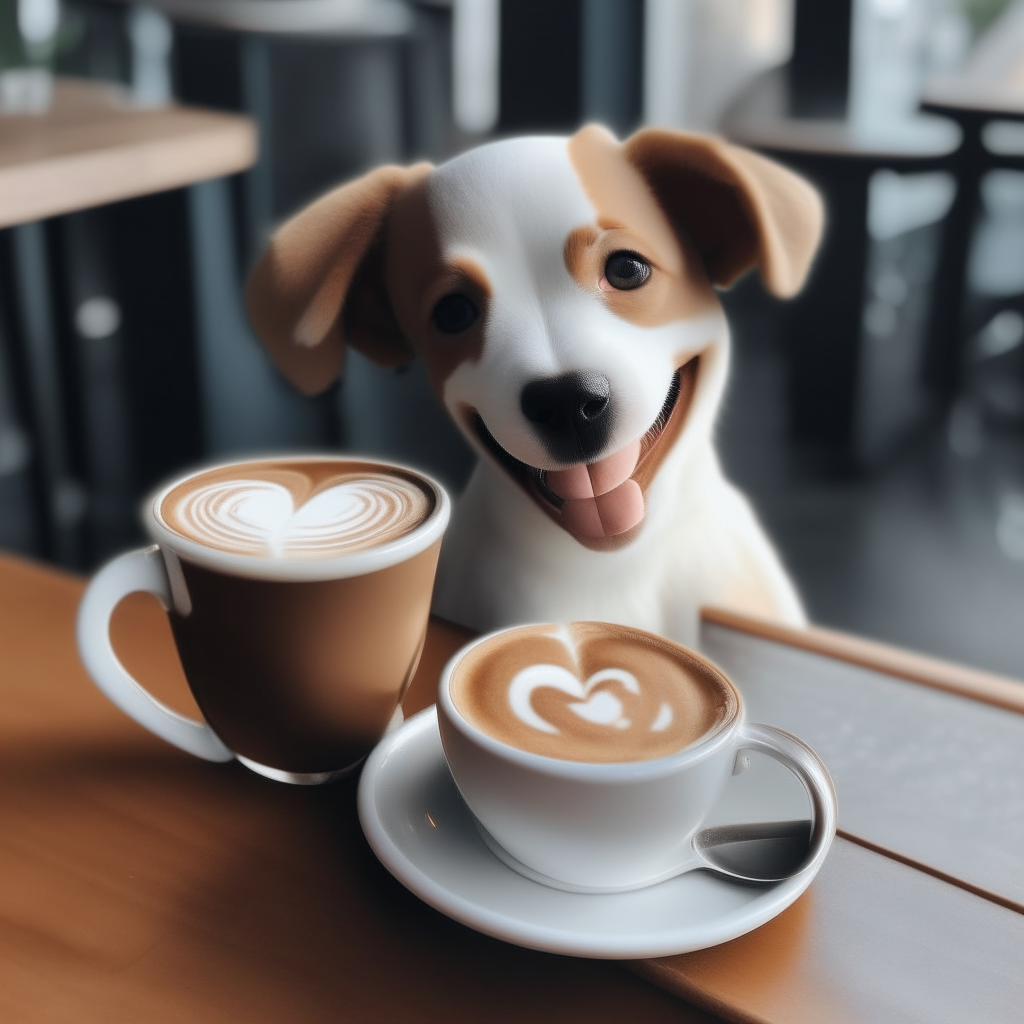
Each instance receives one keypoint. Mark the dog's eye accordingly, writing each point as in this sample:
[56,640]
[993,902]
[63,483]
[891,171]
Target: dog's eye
[626,270]
[455,313]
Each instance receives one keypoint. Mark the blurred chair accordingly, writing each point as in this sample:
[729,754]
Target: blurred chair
[856,335]
[986,99]
[337,86]
[563,62]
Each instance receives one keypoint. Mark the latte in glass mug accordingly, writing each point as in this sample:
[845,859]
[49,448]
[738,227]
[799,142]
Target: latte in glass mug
[591,692]
[298,591]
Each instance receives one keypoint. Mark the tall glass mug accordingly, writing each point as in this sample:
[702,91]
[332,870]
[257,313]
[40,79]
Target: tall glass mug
[298,591]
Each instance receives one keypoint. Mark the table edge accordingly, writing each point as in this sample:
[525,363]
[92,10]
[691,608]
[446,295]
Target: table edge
[976,684]
[230,142]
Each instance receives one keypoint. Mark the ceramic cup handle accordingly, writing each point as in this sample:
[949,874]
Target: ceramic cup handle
[785,748]
[137,570]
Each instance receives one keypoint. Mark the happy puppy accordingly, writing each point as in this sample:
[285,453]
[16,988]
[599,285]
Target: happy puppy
[561,293]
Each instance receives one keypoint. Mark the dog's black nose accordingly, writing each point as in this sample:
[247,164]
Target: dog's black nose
[571,414]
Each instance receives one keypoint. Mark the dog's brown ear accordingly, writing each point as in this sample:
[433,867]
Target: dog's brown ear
[739,209]
[320,284]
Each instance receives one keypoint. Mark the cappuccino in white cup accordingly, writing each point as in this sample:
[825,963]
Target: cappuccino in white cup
[590,753]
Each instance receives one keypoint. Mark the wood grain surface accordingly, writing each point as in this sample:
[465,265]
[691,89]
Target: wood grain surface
[93,147]
[872,942]
[143,884]
[932,775]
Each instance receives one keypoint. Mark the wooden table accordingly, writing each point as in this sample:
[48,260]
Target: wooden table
[140,884]
[93,147]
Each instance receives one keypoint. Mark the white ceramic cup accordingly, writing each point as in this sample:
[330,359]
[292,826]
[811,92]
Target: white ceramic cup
[612,827]
[297,663]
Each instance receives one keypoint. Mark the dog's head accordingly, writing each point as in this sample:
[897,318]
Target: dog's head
[561,292]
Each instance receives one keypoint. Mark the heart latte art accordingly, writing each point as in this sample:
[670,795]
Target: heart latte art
[296,509]
[590,692]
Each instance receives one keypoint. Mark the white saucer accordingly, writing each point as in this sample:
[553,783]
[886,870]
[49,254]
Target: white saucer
[417,824]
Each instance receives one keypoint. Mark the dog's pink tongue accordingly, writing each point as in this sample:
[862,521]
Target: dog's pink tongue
[600,499]
[590,480]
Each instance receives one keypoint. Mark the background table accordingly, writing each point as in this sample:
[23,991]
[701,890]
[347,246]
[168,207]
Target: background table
[853,398]
[95,147]
[143,884]
[974,106]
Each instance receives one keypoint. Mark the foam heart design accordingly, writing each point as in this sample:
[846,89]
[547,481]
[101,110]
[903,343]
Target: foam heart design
[601,708]
[269,509]
[260,517]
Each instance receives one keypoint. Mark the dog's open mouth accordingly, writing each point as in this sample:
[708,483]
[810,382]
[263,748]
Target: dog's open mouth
[605,499]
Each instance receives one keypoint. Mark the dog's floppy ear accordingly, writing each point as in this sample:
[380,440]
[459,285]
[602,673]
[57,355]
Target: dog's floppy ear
[739,209]
[320,284]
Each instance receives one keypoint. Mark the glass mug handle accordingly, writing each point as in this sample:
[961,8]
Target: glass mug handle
[795,755]
[142,570]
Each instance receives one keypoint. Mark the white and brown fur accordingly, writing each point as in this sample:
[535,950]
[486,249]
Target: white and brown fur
[523,228]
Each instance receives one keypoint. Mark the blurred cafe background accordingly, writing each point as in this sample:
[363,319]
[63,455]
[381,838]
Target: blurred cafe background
[877,421]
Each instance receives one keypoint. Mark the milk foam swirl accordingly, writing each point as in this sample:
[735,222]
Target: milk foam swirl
[592,692]
[293,514]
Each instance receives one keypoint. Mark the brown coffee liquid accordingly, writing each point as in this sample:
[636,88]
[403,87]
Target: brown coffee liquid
[303,676]
[297,508]
[592,692]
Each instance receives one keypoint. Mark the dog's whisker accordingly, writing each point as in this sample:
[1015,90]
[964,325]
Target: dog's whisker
[549,495]
[661,420]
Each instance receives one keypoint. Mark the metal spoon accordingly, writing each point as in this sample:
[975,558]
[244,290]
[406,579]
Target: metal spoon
[769,851]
